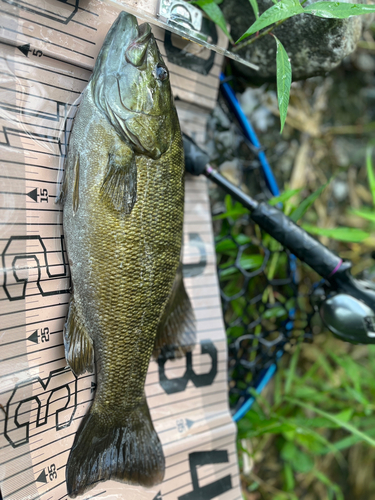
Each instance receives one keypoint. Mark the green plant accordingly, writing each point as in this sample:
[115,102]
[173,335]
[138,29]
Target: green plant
[300,435]
[314,413]
[351,234]
[274,16]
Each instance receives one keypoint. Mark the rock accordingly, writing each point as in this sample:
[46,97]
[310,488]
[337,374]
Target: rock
[258,114]
[364,62]
[314,45]
[340,189]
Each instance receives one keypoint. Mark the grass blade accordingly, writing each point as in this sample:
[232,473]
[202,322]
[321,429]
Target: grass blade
[284,80]
[370,172]
[350,234]
[306,204]
[368,215]
[285,196]
[292,370]
[255,7]
[344,425]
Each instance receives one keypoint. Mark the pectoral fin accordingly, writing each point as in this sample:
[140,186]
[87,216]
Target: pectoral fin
[120,182]
[176,334]
[79,349]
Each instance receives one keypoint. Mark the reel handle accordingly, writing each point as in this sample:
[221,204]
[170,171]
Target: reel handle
[297,240]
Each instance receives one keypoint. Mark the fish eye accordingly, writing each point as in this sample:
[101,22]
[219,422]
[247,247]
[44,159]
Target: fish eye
[161,72]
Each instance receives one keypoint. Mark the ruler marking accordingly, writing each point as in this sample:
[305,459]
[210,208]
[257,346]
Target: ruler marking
[31,367]
[41,68]
[37,96]
[44,40]
[211,474]
[41,82]
[45,25]
[36,308]
[32,352]
[83,24]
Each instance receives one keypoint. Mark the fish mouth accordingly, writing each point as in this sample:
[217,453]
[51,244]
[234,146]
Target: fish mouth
[136,52]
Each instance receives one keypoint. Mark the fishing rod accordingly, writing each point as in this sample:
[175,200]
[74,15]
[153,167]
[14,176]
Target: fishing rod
[345,304]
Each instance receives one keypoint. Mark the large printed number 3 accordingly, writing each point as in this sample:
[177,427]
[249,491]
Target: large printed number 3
[179,384]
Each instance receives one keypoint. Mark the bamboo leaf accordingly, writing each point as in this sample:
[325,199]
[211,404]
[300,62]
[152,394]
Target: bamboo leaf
[351,234]
[306,203]
[284,80]
[338,10]
[278,12]
[213,11]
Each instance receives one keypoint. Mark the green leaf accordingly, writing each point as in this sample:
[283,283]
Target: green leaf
[235,212]
[271,426]
[350,234]
[289,478]
[247,262]
[274,312]
[300,461]
[285,196]
[370,172]
[365,214]
[344,425]
[284,80]
[251,261]
[333,488]
[214,13]
[228,244]
[306,203]
[255,7]
[278,12]
[338,10]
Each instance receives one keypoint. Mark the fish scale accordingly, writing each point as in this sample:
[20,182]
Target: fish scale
[118,284]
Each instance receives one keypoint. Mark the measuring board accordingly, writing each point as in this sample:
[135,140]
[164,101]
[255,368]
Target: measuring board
[43,401]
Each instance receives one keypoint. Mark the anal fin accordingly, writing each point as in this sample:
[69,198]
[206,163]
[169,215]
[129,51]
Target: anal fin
[79,349]
[176,333]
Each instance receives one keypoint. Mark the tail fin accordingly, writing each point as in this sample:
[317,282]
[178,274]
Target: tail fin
[130,453]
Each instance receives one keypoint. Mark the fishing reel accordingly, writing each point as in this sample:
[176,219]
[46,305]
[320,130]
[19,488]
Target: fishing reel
[347,307]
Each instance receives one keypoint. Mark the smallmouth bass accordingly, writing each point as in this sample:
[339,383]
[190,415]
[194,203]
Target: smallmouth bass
[123,195]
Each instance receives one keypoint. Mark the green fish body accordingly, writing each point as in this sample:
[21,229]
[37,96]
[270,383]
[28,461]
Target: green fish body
[123,196]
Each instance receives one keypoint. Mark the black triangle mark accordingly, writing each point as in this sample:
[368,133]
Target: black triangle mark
[42,478]
[93,387]
[33,194]
[158,496]
[34,337]
[25,49]
[189,423]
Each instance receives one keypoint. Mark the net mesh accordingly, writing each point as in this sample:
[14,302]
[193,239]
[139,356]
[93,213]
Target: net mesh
[258,278]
